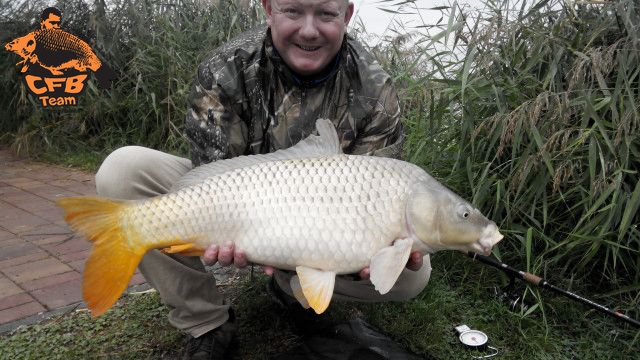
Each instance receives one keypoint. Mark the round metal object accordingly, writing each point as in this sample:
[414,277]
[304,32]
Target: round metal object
[474,338]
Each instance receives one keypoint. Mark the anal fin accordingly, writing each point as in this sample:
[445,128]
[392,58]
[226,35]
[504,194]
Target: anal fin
[387,264]
[188,249]
[317,287]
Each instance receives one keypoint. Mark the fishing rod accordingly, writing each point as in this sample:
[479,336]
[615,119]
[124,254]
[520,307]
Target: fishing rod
[540,282]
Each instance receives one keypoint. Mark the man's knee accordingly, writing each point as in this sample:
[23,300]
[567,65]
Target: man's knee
[412,283]
[118,171]
[411,289]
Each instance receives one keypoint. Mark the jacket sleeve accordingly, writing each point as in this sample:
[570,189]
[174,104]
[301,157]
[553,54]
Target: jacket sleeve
[213,126]
[382,133]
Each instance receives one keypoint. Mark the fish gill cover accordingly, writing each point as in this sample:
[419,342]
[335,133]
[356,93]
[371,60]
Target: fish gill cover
[55,62]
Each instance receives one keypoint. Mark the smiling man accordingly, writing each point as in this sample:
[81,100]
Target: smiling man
[258,93]
[308,34]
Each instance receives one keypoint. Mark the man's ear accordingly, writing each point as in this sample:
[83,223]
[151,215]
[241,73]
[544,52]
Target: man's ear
[266,4]
[347,14]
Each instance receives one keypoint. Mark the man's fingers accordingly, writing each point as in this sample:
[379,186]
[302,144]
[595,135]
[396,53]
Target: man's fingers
[268,270]
[225,255]
[239,258]
[210,256]
[415,261]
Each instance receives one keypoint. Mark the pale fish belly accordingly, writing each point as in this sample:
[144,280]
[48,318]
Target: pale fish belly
[329,213]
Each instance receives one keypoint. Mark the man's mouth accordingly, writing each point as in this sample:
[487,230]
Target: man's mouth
[308,48]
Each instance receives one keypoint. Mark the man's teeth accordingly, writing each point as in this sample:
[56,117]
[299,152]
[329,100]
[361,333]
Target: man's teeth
[309,48]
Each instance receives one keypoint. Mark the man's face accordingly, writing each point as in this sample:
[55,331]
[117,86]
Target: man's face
[307,33]
[53,21]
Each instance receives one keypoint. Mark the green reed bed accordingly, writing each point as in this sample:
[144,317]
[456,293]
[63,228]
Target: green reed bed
[532,113]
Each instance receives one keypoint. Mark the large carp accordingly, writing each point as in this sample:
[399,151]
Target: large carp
[308,208]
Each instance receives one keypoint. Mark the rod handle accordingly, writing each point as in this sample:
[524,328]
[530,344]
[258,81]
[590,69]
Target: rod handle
[531,278]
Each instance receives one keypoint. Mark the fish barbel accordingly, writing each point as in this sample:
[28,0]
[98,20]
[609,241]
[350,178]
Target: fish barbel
[308,208]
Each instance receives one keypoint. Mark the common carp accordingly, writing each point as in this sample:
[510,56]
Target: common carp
[309,208]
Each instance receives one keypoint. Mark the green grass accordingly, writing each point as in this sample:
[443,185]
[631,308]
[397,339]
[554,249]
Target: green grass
[460,292]
[134,330]
[88,160]
[463,292]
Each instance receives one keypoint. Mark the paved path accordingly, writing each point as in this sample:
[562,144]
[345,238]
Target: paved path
[41,260]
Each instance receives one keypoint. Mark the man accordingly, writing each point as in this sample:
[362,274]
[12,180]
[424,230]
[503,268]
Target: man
[261,92]
[50,18]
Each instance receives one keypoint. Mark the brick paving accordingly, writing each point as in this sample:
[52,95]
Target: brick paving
[41,260]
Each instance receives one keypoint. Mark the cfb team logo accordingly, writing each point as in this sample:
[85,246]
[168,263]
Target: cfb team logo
[55,62]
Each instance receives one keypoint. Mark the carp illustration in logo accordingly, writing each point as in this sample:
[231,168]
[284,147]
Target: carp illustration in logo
[59,52]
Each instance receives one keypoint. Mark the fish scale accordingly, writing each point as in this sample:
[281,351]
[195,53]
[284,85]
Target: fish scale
[316,195]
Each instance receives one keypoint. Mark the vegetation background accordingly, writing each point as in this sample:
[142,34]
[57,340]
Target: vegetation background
[529,109]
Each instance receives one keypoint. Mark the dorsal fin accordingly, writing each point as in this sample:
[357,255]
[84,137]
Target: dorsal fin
[324,144]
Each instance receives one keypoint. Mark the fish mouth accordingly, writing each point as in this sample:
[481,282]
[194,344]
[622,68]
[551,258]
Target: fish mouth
[490,237]
[481,249]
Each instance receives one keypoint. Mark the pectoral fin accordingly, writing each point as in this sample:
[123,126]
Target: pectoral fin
[317,287]
[387,264]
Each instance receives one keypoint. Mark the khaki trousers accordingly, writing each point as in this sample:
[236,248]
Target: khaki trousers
[196,306]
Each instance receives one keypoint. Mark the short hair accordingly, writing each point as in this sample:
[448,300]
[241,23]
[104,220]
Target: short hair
[48,11]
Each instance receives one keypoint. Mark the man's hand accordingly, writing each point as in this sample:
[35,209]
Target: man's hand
[414,264]
[226,255]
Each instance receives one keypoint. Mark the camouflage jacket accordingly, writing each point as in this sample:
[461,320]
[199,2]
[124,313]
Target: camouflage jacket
[245,100]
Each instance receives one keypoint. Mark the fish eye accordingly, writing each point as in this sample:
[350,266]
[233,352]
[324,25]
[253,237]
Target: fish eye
[464,212]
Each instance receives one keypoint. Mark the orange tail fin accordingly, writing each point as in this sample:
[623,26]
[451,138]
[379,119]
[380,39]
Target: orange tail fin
[114,256]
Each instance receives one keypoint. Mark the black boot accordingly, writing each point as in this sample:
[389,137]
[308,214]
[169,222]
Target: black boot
[304,321]
[284,300]
[212,345]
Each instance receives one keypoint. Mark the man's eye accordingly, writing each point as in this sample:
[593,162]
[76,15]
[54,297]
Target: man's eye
[328,14]
[290,11]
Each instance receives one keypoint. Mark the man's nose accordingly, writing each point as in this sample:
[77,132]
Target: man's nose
[308,27]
